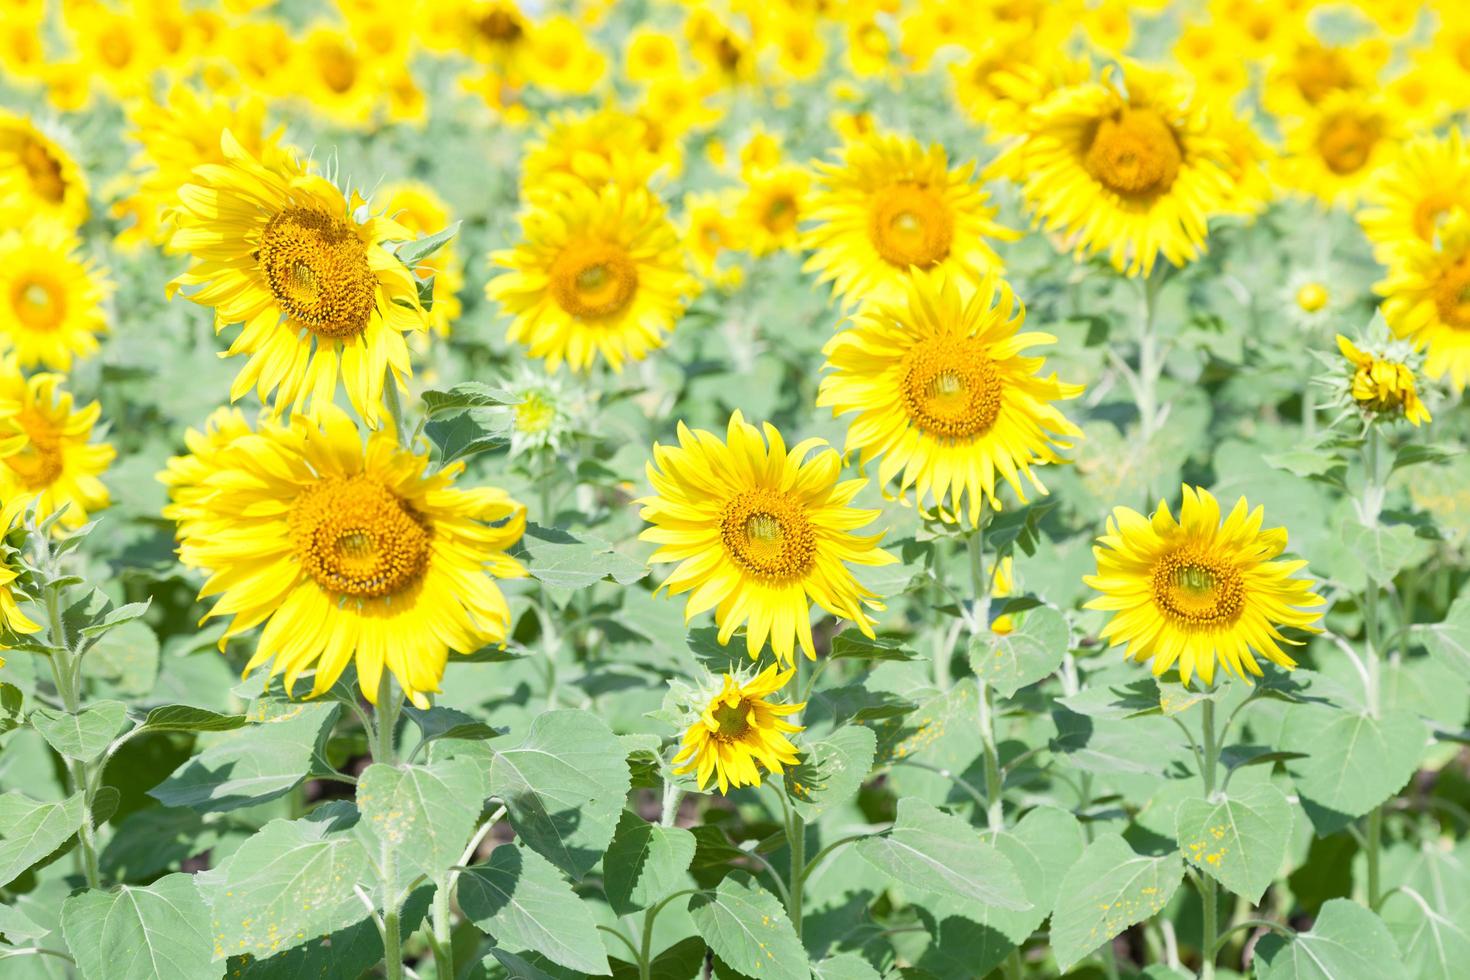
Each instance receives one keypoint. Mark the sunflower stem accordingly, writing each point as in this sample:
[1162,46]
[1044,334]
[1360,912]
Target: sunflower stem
[980,621]
[443,944]
[390,702]
[1373,494]
[1211,920]
[1150,366]
[796,840]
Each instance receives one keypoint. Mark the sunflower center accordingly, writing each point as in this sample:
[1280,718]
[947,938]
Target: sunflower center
[1452,294]
[1431,211]
[38,465]
[768,534]
[338,68]
[357,538]
[1198,591]
[911,225]
[1134,153]
[534,414]
[317,269]
[733,719]
[780,213]
[950,388]
[500,27]
[1319,72]
[44,171]
[591,280]
[116,48]
[1346,141]
[38,305]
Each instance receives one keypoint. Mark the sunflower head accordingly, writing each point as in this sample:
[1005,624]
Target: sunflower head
[735,729]
[1199,589]
[1380,382]
[47,456]
[1334,152]
[771,209]
[1411,198]
[1427,298]
[38,176]
[11,618]
[51,296]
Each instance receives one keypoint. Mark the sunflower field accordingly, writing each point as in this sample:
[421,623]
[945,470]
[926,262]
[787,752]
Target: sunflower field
[776,489]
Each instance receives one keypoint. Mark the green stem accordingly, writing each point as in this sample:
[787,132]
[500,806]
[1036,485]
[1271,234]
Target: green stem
[390,702]
[392,945]
[1373,495]
[645,957]
[394,404]
[1150,365]
[443,944]
[980,583]
[68,686]
[796,840]
[1208,944]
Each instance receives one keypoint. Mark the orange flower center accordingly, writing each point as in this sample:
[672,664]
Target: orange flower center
[1198,591]
[40,462]
[1451,294]
[39,305]
[767,533]
[357,538]
[733,720]
[911,225]
[1346,142]
[317,268]
[950,388]
[1134,153]
[591,280]
[44,171]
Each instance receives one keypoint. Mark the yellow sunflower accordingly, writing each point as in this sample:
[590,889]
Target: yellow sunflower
[348,551]
[1381,385]
[37,176]
[1126,165]
[1409,199]
[736,727]
[760,534]
[944,394]
[51,296]
[1306,73]
[711,233]
[608,146]
[187,476]
[773,204]
[599,272]
[118,48]
[1426,299]
[888,204]
[284,253]
[10,615]
[48,455]
[418,208]
[1199,589]
[1336,151]
[341,81]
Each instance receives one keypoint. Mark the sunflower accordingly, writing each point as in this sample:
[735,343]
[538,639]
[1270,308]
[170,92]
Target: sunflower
[118,48]
[340,80]
[1381,384]
[1427,299]
[735,727]
[51,296]
[1135,175]
[649,55]
[186,476]
[284,253]
[711,233]
[773,204]
[418,208]
[608,146]
[347,551]
[1410,198]
[888,204]
[760,533]
[598,272]
[1307,74]
[48,455]
[11,618]
[37,176]
[1192,591]
[1333,153]
[944,394]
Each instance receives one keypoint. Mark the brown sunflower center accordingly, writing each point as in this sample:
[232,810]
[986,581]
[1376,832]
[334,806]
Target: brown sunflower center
[1197,590]
[1451,294]
[1432,209]
[592,279]
[337,67]
[116,47]
[911,225]
[38,465]
[44,171]
[1134,152]
[500,27]
[950,387]
[317,269]
[1319,72]
[780,213]
[1346,141]
[733,719]
[767,533]
[357,538]
[38,304]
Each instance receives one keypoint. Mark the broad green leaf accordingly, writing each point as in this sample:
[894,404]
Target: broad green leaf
[1435,942]
[1351,762]
[132,933]
[644,863]
[414,252]
[521,900]
[126,658]
[252,765]
[116,617]
[290,882]
[441,722]
[465,395]
[851,644]
[565,560]
[1347,942]
[564,787]
[845,966]
[831,770]
[933,851]
[1450,640]
[342,955]
[746,927]
[1240,840]
[1108,889]
[459,436]
[17,927]
[155,839]
[513,967]
[1011,661]
[1414,453]
[30,830]
[424,814]
[1385,550]
[11,701]
[82,736]
[187,718]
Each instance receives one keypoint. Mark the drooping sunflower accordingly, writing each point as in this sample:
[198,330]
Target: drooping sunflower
[348,551]
[283,253]
[1126,165]
[49,457]
[760,534]
[1197,590]
[418,208]
[598,272]
[888,204]
[1381,383]
[1411,197]
[1426,299]
[37,176]
[944,394]
[51,296]
[1335,152]
[737,726]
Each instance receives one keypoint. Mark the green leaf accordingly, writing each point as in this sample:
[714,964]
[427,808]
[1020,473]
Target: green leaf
[187,718]
[1351,762]
[644,863]
[31,830]
[1108,889]
[1450,640]
[252,765]
[155,839]
[522,901]
[466,395]
[132,933]
[1413,453]
[126,657]
[937,852]
[342,955]
[564,560]
[851,644]
[1435,941]
[845,966]
[1385,550]
[1011,661]
[1347,942]
[746,927]
[831,770]
[82,736]
[414,252]
[463,435]
[116,617]
[17,927]
[564,787]
[11,701]
[1239,840]
[424,814]
[440,722]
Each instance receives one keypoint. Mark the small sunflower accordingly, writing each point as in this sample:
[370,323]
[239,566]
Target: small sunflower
[1306,73]
[760,534]
[944,394]
[342,82]
[711,234]
[418,208]
[1381,384]
[37,176]
[1128,165]
[11,618]
[347,550]
[1410,199]
[1333,153]
[774,203]
[51,296]
[1197,590]
[46,449]
[889,204]
[1426,299]
[284,253]
[736,727]
[608,146]
[599,272]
